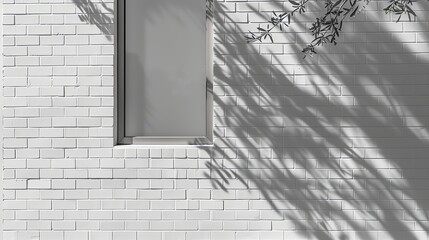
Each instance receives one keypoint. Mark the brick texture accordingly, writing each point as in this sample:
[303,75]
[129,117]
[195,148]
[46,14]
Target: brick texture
[330,147]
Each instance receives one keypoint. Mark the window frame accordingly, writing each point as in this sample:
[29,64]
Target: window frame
[120,62]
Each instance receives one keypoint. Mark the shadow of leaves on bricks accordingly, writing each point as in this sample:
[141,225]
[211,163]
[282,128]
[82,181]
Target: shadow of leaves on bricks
[336,145]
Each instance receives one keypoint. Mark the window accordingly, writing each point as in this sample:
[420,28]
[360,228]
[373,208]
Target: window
[165,72]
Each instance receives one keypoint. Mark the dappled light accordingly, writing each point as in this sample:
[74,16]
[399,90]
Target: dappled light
[333,144]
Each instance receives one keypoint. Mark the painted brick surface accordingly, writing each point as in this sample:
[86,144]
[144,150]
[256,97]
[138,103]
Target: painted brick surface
[330,147]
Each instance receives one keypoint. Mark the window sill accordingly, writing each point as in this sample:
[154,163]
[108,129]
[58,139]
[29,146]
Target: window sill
[160,142]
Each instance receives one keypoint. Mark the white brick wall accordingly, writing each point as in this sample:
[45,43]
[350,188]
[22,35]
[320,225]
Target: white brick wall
[330,147]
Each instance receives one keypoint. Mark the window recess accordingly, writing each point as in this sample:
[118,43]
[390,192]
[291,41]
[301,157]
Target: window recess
[165,72]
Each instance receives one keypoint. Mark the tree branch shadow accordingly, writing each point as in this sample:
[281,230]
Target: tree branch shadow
[98,14]
[332,145]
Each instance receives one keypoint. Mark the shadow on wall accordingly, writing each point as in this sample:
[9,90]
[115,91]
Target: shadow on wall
[335,145]
[101,14]
[98,14]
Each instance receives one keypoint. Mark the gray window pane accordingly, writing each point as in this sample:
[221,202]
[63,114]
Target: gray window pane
[165,87]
